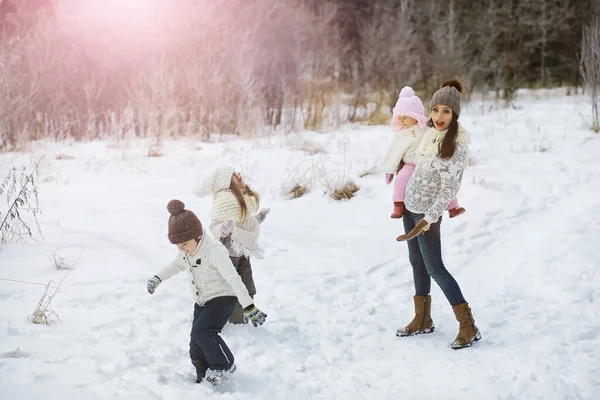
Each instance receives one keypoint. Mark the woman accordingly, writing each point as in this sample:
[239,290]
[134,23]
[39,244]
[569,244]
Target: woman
[441,159]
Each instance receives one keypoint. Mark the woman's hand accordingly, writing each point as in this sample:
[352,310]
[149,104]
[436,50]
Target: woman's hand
[421,227]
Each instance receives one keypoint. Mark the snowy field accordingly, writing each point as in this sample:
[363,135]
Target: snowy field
[335,283]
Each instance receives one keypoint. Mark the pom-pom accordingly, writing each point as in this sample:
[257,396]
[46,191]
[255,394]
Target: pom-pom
[454,83]
[175,207]
[407,91]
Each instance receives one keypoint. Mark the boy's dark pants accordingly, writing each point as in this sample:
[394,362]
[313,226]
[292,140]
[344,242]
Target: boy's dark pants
[244,269]
[207,347]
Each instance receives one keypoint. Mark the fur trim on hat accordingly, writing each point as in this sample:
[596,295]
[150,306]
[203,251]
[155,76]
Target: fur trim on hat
[455,83]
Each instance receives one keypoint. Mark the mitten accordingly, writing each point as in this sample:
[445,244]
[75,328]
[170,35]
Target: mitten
[421,227]
[262,214]
[255,316]
[227,228]
[389,178]
[153,284]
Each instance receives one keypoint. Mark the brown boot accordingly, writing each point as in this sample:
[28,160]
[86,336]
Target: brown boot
[455,212]
[398,209]
[422,322]
[467,331]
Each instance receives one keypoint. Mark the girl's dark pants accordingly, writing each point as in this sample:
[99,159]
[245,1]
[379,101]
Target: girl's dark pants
[244,269]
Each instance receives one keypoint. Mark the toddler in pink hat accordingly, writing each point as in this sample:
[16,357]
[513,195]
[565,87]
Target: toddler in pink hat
[409,121]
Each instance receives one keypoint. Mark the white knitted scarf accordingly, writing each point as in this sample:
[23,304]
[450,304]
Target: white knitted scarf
[432,139]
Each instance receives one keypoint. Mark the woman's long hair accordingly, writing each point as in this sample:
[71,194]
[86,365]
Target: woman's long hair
[239,195]
[448,145]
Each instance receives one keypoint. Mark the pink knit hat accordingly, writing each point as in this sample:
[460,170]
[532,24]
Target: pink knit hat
[410,105]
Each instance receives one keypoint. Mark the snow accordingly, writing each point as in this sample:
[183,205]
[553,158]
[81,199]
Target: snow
[334,282]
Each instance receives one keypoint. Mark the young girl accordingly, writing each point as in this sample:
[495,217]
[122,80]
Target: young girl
[409,121]
[236,222]
[440,161]
[216,288]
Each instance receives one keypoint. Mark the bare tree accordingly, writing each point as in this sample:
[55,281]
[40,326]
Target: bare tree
[590,67]
[390,54]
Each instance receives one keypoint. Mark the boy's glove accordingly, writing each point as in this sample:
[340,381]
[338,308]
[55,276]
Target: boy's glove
[389,178]
[153,284]
[255,316]
[421,227]
[262,214]
[227,228]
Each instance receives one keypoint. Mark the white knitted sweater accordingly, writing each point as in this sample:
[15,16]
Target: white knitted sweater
[435,181]
[210,272]
[402,147]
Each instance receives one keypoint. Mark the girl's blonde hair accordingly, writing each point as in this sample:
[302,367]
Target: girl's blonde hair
[239,195]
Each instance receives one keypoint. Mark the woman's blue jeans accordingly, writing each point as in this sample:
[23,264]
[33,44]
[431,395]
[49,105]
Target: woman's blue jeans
[425,255]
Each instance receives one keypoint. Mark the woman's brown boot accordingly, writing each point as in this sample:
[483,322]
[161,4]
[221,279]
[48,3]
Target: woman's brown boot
[467,331]
[422,322]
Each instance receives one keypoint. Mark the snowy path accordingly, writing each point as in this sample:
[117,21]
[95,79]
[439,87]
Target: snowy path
[335,283]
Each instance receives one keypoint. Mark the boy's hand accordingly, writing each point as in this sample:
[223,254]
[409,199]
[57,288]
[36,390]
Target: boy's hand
[153,284]
[255,316]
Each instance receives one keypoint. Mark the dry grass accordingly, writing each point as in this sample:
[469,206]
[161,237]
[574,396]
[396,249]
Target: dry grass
[368,172]
[60,263]
[344,191]
[294,191]
[155,151]
[62,157]
[42,315]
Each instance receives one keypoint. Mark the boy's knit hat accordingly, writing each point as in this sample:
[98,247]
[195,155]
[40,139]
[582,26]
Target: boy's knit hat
[410,105]
[183,224]
[216,181]
[448,95]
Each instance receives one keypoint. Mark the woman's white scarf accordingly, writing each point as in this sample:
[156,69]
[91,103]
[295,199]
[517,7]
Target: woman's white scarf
[429,146]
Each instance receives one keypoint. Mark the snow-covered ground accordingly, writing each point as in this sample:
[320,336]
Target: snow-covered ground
[335,283]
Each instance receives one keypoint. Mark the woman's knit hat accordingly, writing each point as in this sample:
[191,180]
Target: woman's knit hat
[216,181]
[410,105]
[183,224]
[448,95]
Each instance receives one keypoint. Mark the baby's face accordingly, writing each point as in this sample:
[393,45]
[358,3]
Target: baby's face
[407,121]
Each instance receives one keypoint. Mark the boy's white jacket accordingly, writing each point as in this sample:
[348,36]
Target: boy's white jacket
[403,147]
[210,272]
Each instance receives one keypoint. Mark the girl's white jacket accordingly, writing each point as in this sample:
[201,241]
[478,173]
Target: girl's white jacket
[210,272]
